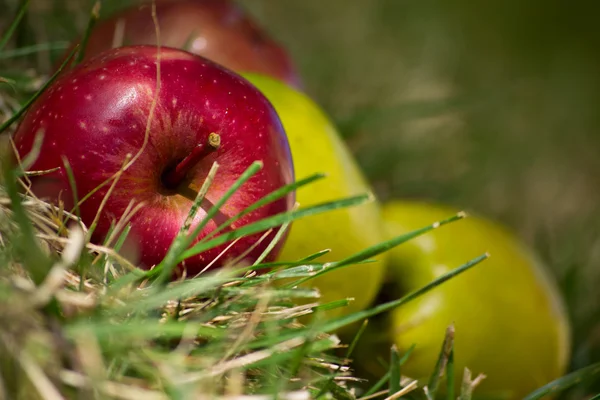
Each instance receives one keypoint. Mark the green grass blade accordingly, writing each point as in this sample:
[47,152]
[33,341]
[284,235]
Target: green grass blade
[143,329]
[380,248]
[450,375]
[317,346]
[330,381]
[584,374]
[33,49]
[271,222]
[440,366]
[156,296]
[94,16]
[269,198]
[274,294]
[287,264]
[378,385]
[394,385]
[350,319]
[387,245]
[36,261]
[122,237]
[33,98]
[340,322]
[282,230]
[331,305]
[356,338]
[13,26]
[315,256]
[127,279]
[302,270]
[73,185]
[386,377]
[184,238]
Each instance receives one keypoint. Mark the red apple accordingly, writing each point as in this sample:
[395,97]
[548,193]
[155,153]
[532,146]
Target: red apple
[216,29]
[96,114]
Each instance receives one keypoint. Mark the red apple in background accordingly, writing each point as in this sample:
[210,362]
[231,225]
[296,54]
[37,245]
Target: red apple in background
[97,113]
[216,29]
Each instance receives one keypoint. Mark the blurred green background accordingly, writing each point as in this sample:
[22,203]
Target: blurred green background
[492,107]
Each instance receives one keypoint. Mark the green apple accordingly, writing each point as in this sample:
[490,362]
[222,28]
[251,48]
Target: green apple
[317,148]
[508,315]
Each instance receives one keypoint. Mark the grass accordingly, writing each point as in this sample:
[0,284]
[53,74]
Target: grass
[73,331]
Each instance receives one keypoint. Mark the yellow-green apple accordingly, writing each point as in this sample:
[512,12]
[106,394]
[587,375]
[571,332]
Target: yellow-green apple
[220,30]
[317,147]
[110,109]
[510,323]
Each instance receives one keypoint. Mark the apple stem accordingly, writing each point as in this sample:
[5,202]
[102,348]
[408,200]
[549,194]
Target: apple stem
[174,176]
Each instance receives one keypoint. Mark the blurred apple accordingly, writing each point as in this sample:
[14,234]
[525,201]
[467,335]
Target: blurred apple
[509,318]
[219,30]
[317,147]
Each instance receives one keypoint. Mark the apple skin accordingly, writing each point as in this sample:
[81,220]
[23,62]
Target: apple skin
[509,318]
[97,113]
[219,30]
[317,148]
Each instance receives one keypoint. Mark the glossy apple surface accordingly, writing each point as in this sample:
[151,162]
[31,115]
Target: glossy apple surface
[509,318]
[219,30]
[97,114]
[317,148]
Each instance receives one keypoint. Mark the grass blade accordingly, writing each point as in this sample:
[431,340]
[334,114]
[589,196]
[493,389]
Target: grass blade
[442,361]
[378,385]
[272,222]
[315,255]
[73,185]
[394,371]
[143,329]
[33,49]
[269,198]
[94,16]
[282,230]
[450,375]
[33,98]
[584,374]
[350,319]
[330,381]
[184,238]
[380,248]
[386,377]
[155,296]
[37,262]
[13,26]
[340,322]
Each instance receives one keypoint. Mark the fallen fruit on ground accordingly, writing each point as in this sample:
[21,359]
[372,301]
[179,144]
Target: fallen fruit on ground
[317,148]
[109,115]
[509,319]
[220,30]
